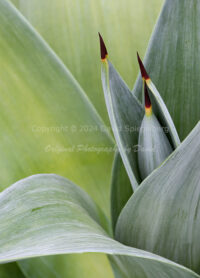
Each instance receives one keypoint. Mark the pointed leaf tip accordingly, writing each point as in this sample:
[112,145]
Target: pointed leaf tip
[142,68]
[147,98]
[103,49]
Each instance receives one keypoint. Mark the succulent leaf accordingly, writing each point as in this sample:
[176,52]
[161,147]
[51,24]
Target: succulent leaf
[153,144]
[126,114]
[159,107]
[163,215]
[37,221]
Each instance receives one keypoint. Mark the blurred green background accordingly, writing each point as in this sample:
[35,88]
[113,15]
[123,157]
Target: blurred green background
[71,29]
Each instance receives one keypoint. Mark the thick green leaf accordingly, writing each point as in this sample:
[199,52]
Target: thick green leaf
[121,189]
[71,28]
[126,114]
[47,214]
[173,59]
[163,215]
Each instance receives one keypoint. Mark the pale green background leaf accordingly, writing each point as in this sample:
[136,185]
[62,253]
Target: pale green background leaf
[67,266]
[43,112]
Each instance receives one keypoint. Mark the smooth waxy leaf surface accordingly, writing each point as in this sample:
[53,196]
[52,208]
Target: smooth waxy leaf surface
[163,215]
[71,27]
[121,189]
[163,115]
[125,113]
[173,59]
[153,145]
[159,106]
[47,214]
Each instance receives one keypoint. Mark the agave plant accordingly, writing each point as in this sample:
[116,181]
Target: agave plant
[155,184]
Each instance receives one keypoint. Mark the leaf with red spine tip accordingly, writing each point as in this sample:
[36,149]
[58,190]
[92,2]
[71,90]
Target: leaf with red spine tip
[143,71]
[159,107]
[103,49]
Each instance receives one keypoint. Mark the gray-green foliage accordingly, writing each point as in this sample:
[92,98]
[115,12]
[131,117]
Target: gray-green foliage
[156,230]
[153,145]
[163,216]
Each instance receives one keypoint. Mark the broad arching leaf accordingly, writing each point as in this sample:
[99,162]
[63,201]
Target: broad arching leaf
[173,59]
[47,214]
[163,215]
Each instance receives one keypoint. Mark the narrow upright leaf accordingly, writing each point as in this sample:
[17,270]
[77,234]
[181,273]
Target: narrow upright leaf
[125,113]
[153,144]
[159,107]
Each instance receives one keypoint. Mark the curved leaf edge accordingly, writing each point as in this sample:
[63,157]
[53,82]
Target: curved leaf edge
[144,184]
[107,93]
[168,158]
[98,240]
